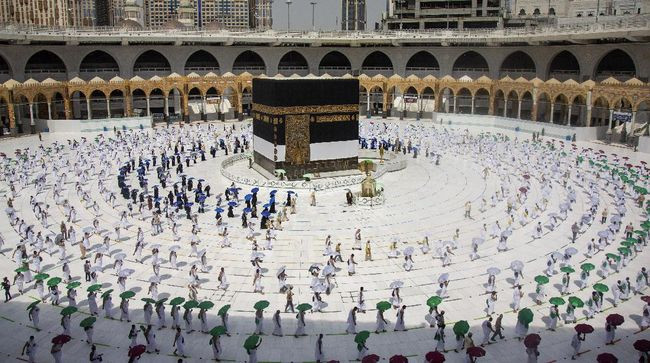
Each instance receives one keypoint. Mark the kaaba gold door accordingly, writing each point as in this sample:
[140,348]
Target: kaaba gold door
[296,133]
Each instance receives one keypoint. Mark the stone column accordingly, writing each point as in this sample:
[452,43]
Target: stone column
[12,117]
[611,117]
[568,116]
[204,107]
[505,106]
[148,106]
[66,106]
[384,106]
[633,123]
[519,109]
[551,117]
[31,114]
[455,99]
[185,107]
[128,103]
[166,105]
[49,109]
[533,111]
[90,116]
[588,120]
[472,111]
[108,107]
[367,104]
[491,105]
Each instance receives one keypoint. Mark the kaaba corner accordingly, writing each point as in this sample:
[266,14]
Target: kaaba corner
[305,125]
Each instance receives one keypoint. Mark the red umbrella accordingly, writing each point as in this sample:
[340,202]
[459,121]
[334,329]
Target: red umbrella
[398,359]
[526,176]
[523,189]
[371,358]
[435,357]
[333,361]
[61,339]
[606,358]
[476,352]
[642,345]
[626,157]
[584,328]
[137,350]
[642,162]
[615,319]
[532,340]
[646,299]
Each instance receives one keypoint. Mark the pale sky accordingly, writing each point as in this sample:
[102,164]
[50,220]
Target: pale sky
[327,12]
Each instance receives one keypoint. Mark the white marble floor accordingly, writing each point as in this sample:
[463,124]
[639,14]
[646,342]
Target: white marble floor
[422,200]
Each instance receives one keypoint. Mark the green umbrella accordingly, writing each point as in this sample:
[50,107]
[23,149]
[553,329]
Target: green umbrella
[68,310]
[641,233]
[613,256]
[624,250]
[541,279]
[33,304]
[303,307]
[21,269]
[434,301]
[601,287]
[645,225]
[73,285]
[261,305]
[127,294]
[383,305]
[148,300]
[88,321]
[54,281]
[576,302]
[361,336]
[106,293]
[41,276]
[567,269]
[525,316]
[252,342]
[177,301]
[557,301]
[224,310]
[205,305]
[627,244]
[218,330]
[587,267]
[161,301]
[461,327]
[95,287]
[190,304]
[641,190]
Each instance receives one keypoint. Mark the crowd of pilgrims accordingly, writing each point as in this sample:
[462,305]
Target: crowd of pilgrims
[523,178]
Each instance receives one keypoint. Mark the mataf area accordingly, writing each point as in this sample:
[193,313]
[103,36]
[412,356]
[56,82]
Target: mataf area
[157,228]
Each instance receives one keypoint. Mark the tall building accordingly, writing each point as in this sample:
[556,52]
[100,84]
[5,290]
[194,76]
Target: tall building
[47,13]
[353,14]
[581,8]
[260,15]
[433,14]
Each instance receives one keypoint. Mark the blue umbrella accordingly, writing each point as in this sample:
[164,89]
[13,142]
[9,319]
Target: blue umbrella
[232,189]
[266,214]
[191,177]
[201,180]
[219,210]
[290,192]
[179,204]
[273,192]
[189,204]
[247,210]
[232,204]
[266,205]
[248,196]
[255,190]
[157,199]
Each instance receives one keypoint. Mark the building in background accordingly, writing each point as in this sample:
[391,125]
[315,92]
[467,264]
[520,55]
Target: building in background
[579,8]
[260,14]
[436,14]
[353,14]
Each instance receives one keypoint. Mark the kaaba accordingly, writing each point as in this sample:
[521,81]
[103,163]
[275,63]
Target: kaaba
[305,125]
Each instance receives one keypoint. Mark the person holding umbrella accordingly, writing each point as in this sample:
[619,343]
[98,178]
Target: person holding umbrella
[251,344]
[215,341]
[576,343]
[381,321]
[259,319]
[33,312]
[610,332]
[87,325]
[56,352]
[361,339]
[124,307]
[187,316]
[554,314]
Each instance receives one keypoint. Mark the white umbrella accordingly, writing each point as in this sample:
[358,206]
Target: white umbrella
[319,288]
[616,218]
[603,234]
[564,206]
[396,284]
[571,251]
[281,270]
[447,243]
[478,241]
[517,265]
[256,254]
[443,277]
[493,271]
[395,239]
[556,255]
[155,246]
[95,269]
[315,266]
[408,251]
[154,279]
[120,256]
[201,252]
[88,229]
[553,215]
[507,232]
[174,248]
[126,272]
[328,270]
